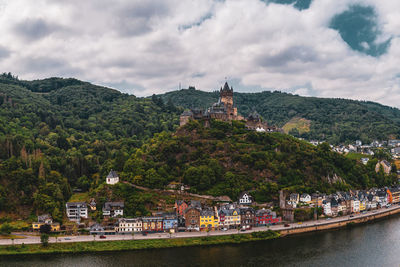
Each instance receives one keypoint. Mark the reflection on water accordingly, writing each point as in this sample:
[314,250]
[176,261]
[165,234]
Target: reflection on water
[375,244]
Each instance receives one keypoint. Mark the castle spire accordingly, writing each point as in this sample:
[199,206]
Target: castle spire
[226,86]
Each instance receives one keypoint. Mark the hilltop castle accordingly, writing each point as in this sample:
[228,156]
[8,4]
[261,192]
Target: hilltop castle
[225,110]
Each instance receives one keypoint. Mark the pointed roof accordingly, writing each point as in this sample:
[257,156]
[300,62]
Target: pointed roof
[226,86]
[112,174]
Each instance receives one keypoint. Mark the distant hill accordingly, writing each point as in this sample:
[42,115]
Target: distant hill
[332,120]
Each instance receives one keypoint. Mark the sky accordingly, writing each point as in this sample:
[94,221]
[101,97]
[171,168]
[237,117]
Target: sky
[325,48]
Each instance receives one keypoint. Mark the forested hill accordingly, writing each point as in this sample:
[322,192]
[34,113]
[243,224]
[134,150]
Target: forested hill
[226,159]
[59,134]
[332,120]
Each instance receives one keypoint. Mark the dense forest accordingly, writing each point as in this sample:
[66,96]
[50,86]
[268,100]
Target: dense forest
[59,135]
[332,120]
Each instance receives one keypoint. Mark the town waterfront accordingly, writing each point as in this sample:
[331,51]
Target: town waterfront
[373,244]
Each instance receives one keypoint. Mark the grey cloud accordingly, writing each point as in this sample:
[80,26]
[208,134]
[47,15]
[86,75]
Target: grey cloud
[296,53]
[56,67]
[135,19]
[4,52]
[34,29]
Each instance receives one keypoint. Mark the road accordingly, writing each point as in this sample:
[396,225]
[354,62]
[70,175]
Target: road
[35,239]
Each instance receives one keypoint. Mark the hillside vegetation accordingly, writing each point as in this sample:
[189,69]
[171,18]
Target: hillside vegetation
[69,137]
[226,159]
[331,120]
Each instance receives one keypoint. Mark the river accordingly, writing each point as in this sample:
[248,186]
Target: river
[372,244]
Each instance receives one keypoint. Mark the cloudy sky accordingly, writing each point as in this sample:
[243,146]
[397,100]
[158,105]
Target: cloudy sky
[326,48]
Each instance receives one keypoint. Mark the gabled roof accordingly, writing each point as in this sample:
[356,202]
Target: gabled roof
[112,174]
[110,205]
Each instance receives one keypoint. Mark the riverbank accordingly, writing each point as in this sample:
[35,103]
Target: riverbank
[122,245]
[340,222]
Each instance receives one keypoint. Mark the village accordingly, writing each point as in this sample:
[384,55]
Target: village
[194,216]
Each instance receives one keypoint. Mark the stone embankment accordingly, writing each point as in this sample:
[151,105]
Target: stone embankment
[339,222]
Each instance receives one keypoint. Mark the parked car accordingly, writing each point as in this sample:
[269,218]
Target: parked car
[224,229]
[67,238]
[102,236]
[144,233]
[351,216]
[286,225]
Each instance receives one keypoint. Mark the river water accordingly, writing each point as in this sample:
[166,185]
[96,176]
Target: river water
[373,244]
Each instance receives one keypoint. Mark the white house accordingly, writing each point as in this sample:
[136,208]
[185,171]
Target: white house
[129,225]
[113,209]
[245,198]
[76,211]
[306,198]
[355,205]
[112,178]
[326,206]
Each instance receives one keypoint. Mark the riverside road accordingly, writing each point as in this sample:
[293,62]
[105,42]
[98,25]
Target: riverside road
[28,238]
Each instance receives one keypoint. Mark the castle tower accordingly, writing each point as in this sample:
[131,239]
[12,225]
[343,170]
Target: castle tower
[226,97]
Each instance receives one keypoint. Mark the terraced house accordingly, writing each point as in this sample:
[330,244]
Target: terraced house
[229,216]
[208,219]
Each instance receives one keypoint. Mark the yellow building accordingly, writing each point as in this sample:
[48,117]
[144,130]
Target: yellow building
[36,226]
[363,205]
[55,227]
[208,220]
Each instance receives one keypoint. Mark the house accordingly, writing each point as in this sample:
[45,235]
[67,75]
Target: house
[386,166]
[112,178]
[395,191]
[245,199]
[45,218]
[113,209]
[152,224]
[382,197]
[208,220]
[192,218]
[355,205]
[342,207]
[229,216]
[247,218]
[317,199]
[76,211]
[364,161]
[294,197]
[180,207]
[96,229]
[266,217]
[55,227]
[334,207]
[127,226]
[305,198]
[170,222]
[363,205]
[326,207]
[92,204]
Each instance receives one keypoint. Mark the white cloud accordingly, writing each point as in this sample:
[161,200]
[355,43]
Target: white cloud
[146,47]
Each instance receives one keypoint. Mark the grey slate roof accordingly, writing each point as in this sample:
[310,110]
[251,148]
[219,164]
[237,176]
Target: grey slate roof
[112,174]
[111,205]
